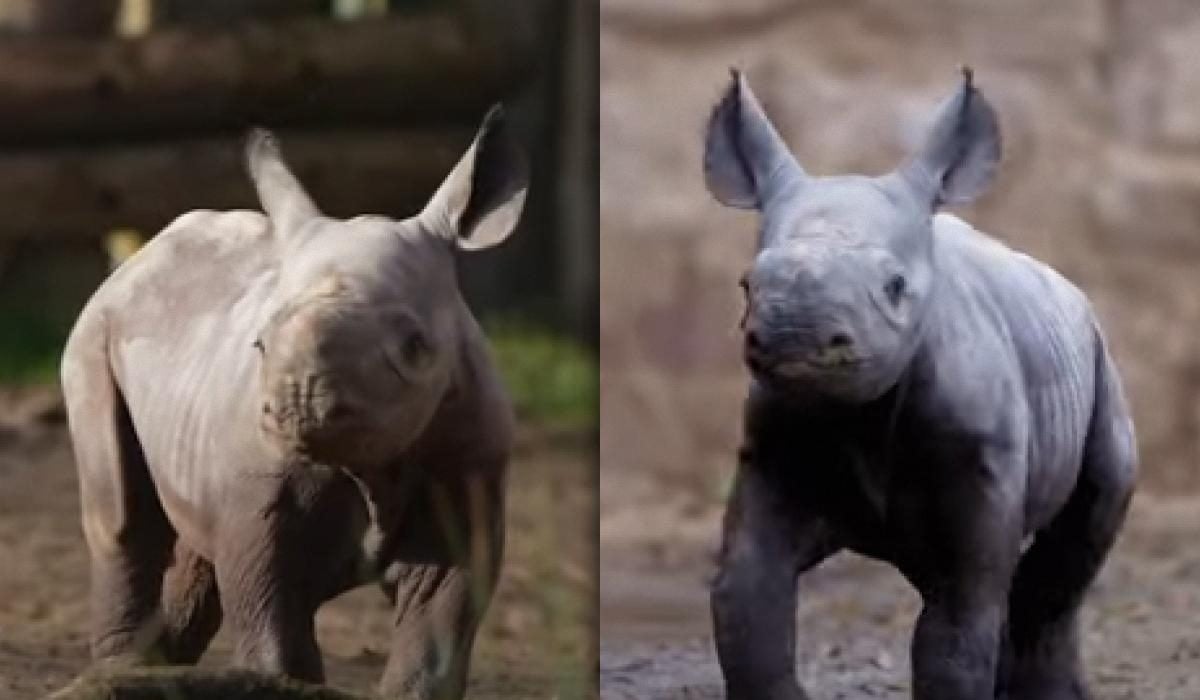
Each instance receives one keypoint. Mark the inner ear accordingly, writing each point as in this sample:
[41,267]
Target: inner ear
[480,201]
[745,160]
[958,160]
[500,174]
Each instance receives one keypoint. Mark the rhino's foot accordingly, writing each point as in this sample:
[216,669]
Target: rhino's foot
[1063,687]
[422,684]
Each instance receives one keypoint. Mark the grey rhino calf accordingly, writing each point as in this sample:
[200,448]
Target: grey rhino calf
[923,395]
[269,410]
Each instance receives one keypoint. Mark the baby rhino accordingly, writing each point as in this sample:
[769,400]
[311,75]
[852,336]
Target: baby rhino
[920,394]
[269,410]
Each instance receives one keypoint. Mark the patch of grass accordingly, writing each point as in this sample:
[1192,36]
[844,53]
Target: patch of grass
[552,379]
[30,346]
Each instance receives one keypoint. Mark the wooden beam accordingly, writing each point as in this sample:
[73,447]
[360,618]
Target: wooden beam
[397,70]
[84,192]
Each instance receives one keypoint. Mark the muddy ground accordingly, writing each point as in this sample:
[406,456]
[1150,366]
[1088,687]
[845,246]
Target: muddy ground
[1141,626]
[535,642]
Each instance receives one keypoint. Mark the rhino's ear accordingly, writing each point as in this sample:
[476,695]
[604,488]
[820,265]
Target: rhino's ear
[479,203]
[280,193]
[745,159]
[959,157]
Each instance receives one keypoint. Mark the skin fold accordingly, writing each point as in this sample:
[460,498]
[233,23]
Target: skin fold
[268,409]
[920,394]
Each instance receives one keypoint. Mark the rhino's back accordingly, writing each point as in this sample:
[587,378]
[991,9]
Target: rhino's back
[1047,328]
[202,261]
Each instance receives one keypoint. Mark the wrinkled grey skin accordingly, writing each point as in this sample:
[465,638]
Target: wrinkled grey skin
[269,410]
[923,395]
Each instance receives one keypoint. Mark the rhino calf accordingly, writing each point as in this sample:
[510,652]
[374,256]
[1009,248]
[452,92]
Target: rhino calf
[920,394]
[269,410]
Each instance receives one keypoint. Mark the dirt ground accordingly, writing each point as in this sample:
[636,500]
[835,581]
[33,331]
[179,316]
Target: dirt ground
[536,641]
[1141,625]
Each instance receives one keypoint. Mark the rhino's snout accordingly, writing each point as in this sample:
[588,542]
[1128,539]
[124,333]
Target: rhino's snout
[304,410]
[793,354]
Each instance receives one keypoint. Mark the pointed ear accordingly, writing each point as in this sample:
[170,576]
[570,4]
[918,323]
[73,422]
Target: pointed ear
[283,199]
[959,157]
[745,160]
[479,203]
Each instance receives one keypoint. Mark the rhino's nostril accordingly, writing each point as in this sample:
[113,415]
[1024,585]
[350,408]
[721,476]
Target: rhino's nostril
[753,342]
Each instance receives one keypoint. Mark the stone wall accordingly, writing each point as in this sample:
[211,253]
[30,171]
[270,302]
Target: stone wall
[1099,102]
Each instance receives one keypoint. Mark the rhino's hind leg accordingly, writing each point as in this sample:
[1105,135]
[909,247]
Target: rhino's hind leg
[127,533]
[441,587]
[1042,656]
[191,607]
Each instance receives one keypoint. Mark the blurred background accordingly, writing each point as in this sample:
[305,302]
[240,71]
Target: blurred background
[116,116]
[1099,104]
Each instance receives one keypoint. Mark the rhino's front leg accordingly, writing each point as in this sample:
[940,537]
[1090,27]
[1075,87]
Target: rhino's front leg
[286,546]
[955,647]
[442,581]
[766,545]
[963,535]
[268,606]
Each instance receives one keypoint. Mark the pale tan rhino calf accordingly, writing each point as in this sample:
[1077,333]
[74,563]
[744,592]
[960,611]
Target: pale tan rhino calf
[269,410]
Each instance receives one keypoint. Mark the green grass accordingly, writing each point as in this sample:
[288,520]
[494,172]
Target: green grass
[551,378]
[30,345]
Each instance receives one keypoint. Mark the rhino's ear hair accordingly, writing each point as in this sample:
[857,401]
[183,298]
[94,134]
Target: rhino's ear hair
[744,157]
[962,150]
[479,203]
[283,199]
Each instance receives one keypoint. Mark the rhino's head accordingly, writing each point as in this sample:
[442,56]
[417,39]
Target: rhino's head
[364,324]
[844,271]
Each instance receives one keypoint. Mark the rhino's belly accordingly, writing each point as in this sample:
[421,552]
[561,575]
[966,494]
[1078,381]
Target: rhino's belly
[1060,416]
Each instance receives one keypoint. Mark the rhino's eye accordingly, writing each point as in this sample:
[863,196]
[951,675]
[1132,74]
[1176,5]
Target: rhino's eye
[258,345]
[894,289]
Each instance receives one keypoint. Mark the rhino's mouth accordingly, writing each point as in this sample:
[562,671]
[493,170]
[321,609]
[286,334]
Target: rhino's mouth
[831,375]
[817,366]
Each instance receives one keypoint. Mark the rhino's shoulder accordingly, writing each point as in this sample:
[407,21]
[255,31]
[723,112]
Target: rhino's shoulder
[205,234]
[1006,271]
[214,250]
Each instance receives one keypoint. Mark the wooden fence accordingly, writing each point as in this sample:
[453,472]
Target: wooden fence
[101,132]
